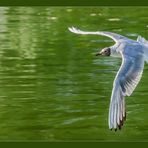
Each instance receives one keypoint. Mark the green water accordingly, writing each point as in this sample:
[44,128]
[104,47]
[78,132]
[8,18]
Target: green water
[52,87]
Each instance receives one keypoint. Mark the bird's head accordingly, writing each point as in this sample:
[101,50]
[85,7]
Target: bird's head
[104,52]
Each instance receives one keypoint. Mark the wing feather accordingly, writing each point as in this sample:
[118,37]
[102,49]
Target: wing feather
[125,82]
[114,36]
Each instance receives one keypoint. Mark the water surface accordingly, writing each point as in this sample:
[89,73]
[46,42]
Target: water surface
[52,87]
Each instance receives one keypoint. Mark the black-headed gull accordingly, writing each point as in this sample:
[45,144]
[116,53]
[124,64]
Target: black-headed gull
[133,54]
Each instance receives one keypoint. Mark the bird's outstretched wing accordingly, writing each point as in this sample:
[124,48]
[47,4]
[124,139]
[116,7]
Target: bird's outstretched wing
[114,36]
[125,82]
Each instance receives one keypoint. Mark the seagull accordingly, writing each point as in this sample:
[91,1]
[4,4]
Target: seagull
[134,53]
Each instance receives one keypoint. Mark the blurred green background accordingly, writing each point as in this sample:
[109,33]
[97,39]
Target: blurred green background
[52,87]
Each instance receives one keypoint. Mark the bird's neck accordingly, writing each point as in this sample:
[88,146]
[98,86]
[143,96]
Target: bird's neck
[114,50]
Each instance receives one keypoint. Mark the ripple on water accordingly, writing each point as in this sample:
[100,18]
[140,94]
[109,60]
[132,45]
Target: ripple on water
[114,19]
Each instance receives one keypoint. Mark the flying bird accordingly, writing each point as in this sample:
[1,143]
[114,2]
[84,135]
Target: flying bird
[134,53]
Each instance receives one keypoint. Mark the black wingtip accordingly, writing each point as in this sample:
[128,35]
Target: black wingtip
[120,125]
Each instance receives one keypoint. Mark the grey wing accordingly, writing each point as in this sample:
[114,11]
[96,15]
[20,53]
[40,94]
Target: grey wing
[114,36]
[125,82]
